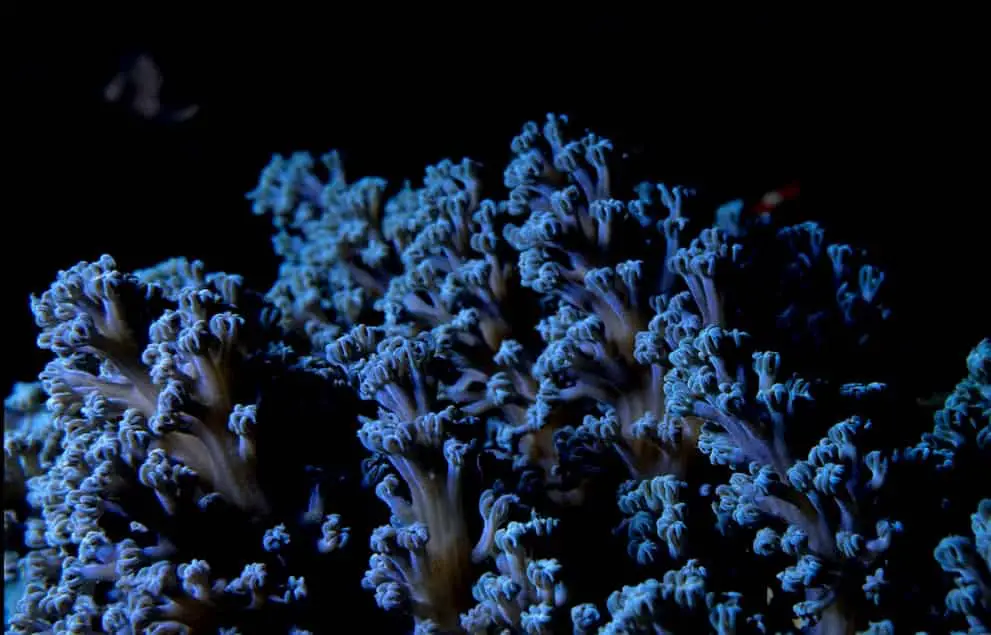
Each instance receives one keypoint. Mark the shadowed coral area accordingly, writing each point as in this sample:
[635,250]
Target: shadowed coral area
[570,404]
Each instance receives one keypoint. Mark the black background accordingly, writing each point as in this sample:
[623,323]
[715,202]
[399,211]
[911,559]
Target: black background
[875,116]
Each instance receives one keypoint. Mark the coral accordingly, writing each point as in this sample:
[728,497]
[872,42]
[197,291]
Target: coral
[153,403]
[666,424]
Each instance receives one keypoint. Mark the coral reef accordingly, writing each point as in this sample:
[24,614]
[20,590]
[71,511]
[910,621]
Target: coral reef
[666,421]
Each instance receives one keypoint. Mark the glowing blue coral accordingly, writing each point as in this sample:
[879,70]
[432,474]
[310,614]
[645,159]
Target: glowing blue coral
[600,360]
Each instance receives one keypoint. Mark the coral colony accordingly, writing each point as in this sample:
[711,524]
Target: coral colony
[576,406]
